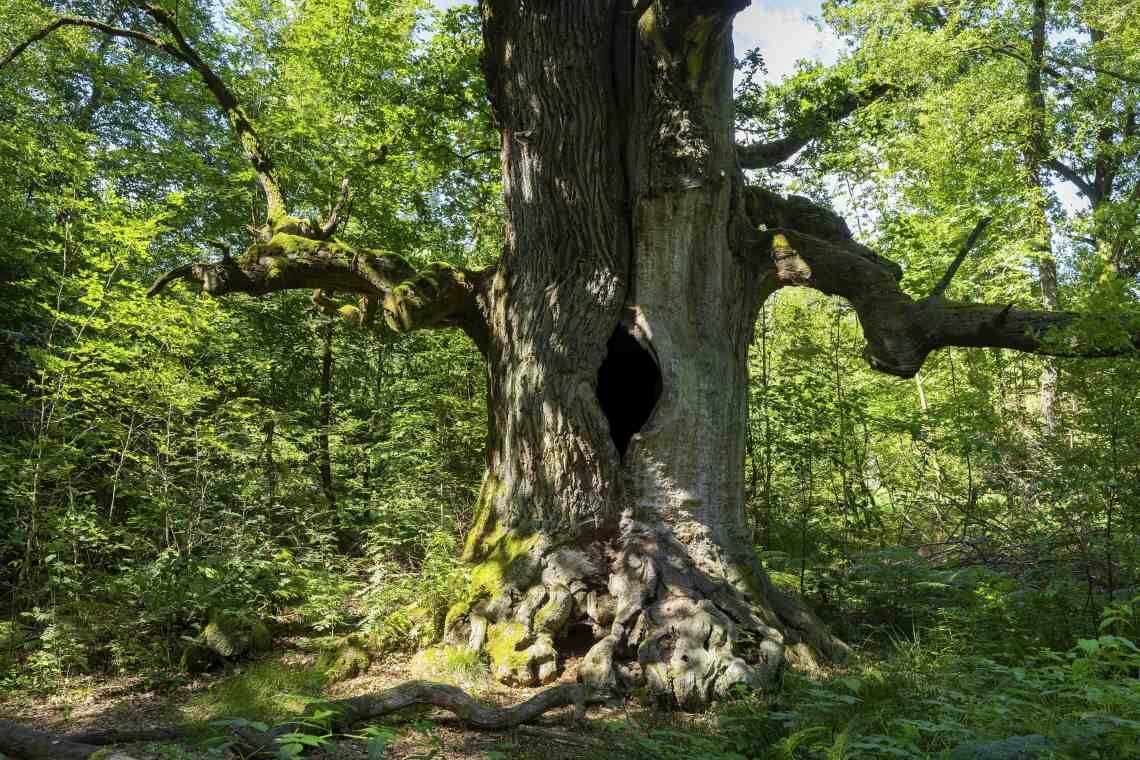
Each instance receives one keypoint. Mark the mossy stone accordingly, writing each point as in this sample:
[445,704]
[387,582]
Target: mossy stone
[195,659]
[226,636]
[455,613]
[260,639]
[504,646]
[345,661]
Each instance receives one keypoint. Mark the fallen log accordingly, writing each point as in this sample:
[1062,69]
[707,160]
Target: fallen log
[23,743]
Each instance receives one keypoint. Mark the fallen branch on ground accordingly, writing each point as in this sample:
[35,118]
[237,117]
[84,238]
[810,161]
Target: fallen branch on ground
[22,743]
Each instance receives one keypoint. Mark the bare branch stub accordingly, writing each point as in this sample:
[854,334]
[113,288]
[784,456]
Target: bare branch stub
[951,270]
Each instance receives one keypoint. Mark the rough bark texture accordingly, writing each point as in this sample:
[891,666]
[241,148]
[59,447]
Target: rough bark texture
[621,291]
[610,520]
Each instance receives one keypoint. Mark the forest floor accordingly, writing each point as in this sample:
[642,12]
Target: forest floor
[277,686]
[973,677]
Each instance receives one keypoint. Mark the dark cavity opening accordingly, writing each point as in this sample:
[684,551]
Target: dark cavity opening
[575,641]
[629,386]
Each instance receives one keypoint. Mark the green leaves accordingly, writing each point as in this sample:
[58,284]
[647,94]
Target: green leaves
[156,453]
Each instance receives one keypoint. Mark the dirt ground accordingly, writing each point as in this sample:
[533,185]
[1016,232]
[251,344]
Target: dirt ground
[135,702]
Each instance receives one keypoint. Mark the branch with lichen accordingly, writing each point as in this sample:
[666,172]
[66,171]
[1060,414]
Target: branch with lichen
[293,252]
[438,295]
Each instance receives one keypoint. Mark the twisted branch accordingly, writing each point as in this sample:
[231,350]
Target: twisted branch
[807,245]
[438,295]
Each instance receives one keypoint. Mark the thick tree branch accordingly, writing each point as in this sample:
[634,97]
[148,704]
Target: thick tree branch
[1075,178]
[765,155]
[438,295]
[804,246]
[294,253]
[768,210]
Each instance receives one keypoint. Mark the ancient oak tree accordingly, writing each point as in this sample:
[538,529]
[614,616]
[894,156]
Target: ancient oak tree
[615,328]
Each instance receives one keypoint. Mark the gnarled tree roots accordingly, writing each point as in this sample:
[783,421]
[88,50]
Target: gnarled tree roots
[678,621]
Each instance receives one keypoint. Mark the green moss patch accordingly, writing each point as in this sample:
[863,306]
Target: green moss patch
[484,521]
[266,691]
[456,665]
[508,562]
[504,646]
[346,659]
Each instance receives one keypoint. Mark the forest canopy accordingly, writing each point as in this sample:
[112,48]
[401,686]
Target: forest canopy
[336,350]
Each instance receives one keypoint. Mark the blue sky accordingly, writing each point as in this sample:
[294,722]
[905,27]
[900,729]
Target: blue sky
[780,27]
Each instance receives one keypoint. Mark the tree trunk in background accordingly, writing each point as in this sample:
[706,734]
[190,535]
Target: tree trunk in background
[325,414]
[611,515]
[1036,154]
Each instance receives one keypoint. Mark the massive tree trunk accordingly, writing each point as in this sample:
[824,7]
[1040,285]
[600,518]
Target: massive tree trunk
[616,327]
[620,318]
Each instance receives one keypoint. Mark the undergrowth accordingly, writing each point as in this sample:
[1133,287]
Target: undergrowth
[950,663]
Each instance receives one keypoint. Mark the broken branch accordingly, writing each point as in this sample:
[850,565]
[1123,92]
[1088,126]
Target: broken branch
[952,270]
